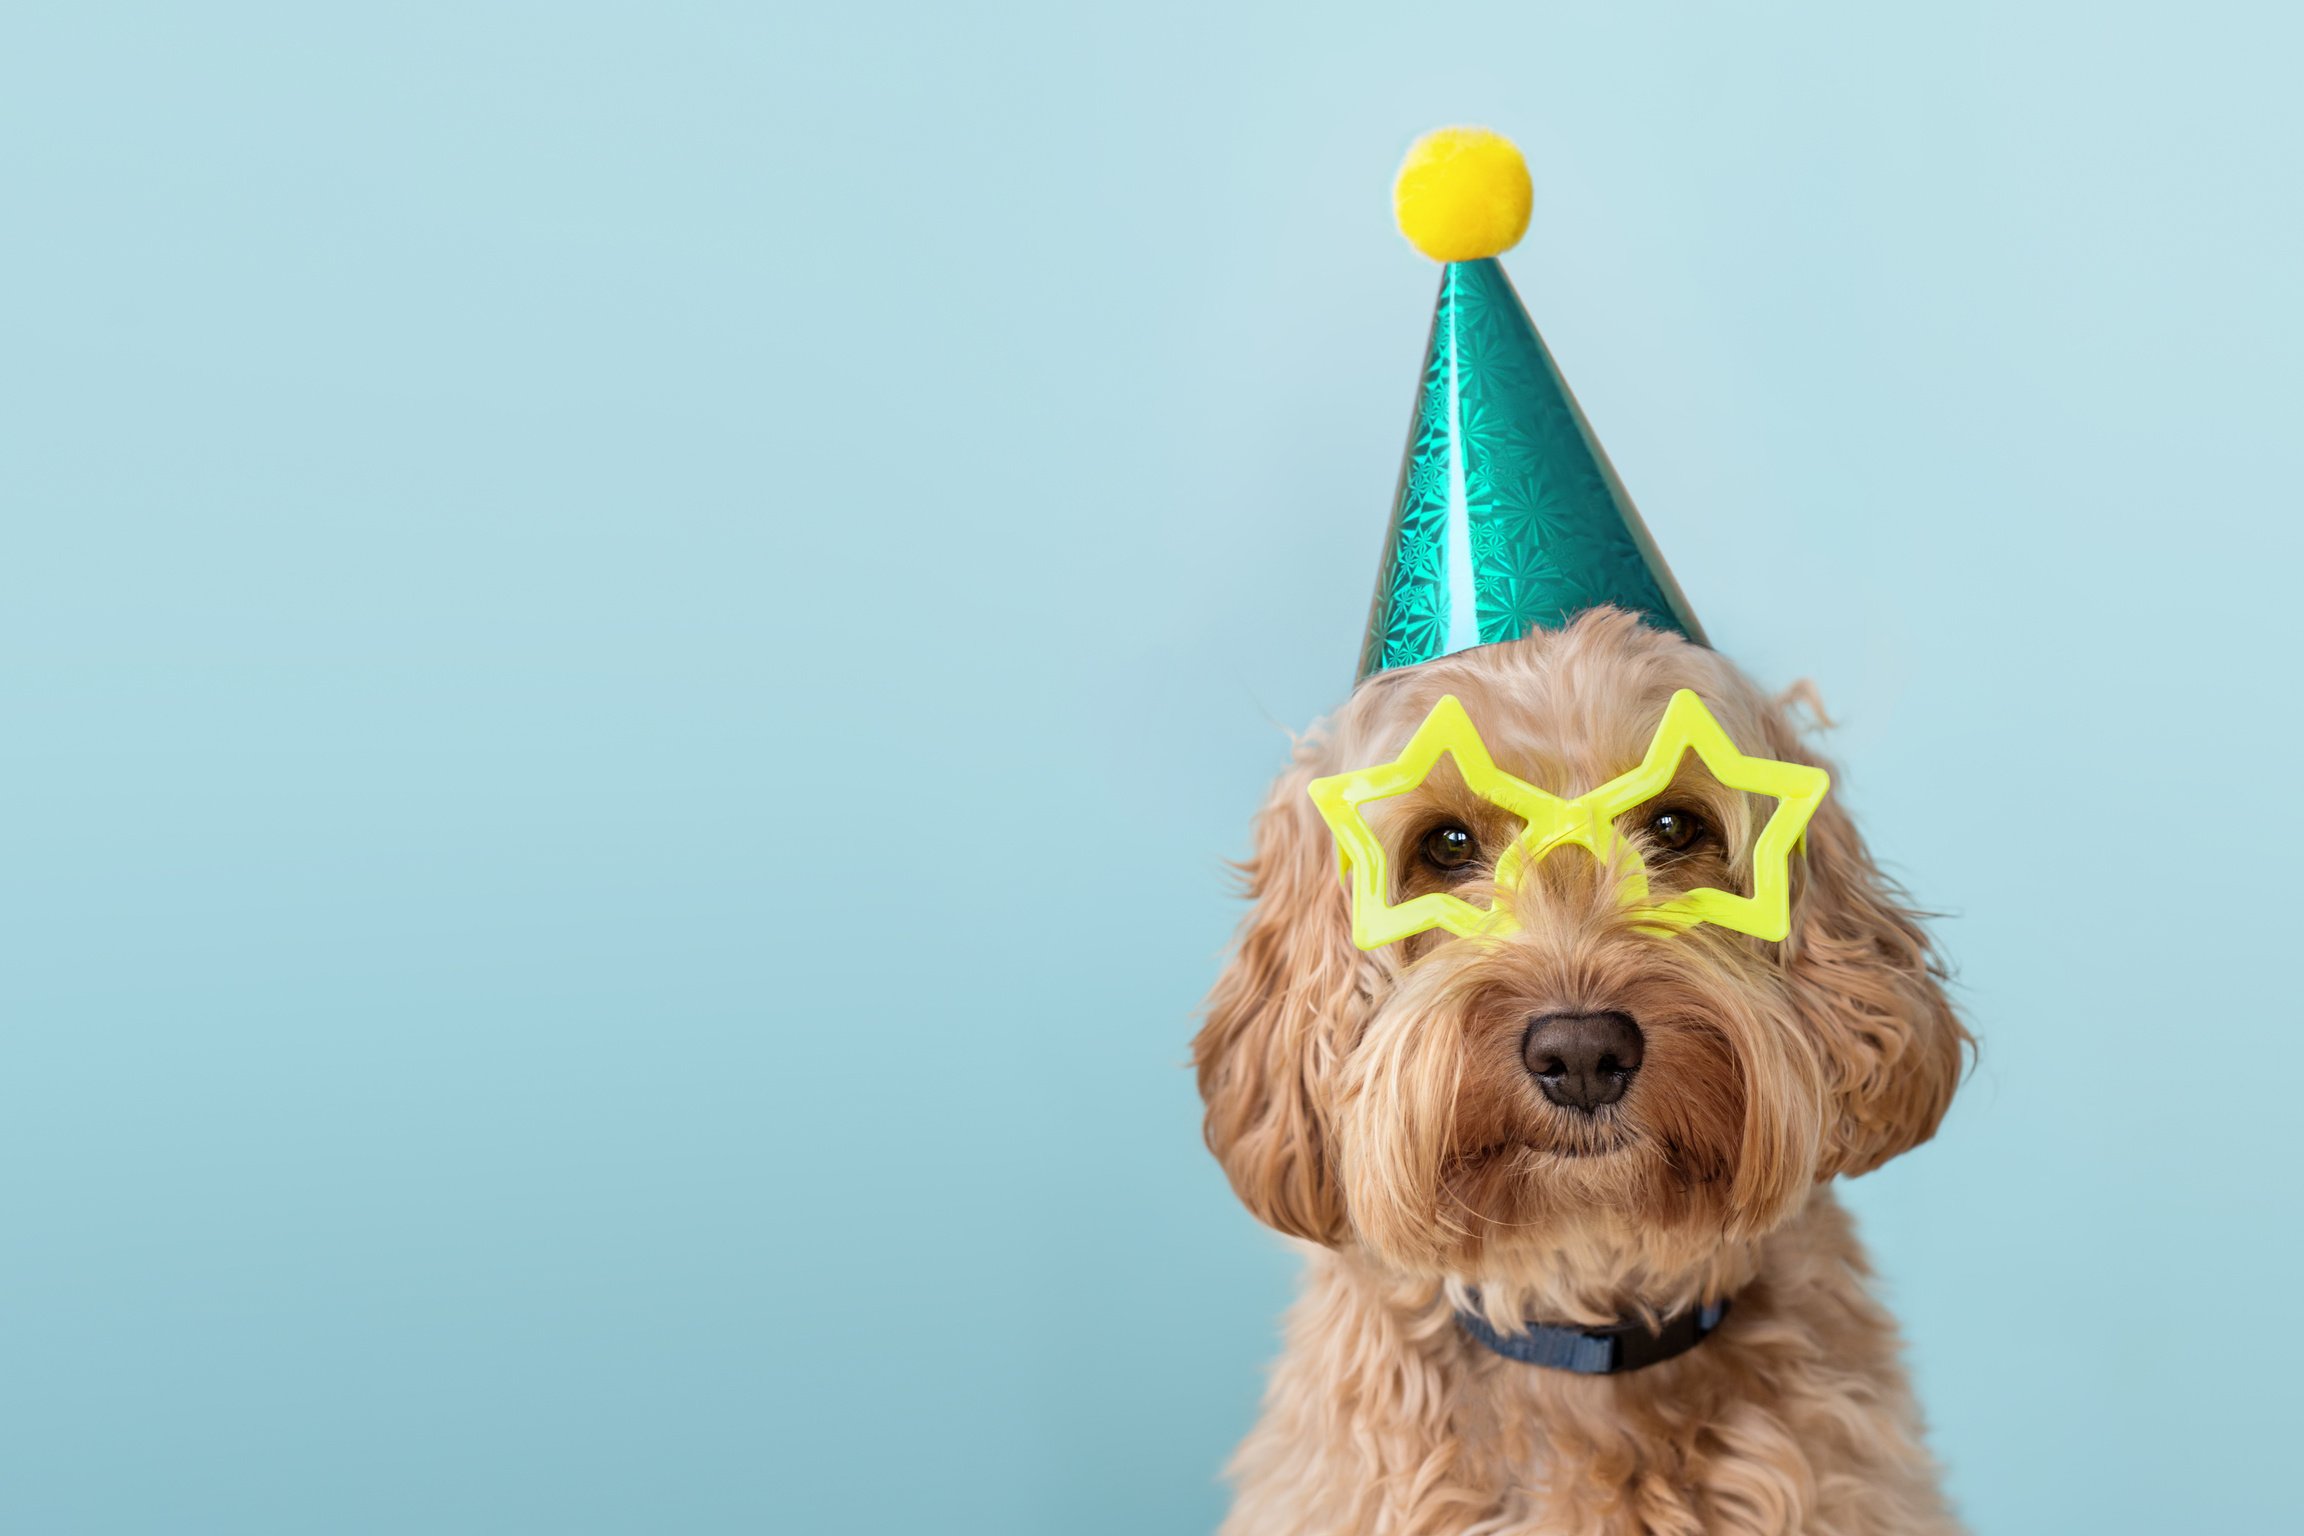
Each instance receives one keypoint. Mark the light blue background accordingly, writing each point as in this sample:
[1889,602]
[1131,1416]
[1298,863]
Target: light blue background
[506,507]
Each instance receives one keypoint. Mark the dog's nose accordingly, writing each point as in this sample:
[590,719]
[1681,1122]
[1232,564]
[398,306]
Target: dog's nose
[1582,1060]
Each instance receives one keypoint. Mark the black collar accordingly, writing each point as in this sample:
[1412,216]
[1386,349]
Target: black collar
[1605,1351]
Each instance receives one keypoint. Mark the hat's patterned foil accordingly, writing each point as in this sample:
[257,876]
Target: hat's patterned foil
[1509,516]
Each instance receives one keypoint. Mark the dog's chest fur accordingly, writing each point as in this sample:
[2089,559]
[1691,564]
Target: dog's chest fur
[1383,1418]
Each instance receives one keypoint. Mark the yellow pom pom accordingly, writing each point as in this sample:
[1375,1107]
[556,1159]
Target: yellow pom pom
[1462,194]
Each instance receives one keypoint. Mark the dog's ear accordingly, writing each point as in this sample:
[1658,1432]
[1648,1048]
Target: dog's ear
[1871,992]
[1266,1053]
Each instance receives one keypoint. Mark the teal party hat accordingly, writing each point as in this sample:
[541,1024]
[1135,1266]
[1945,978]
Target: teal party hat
[1509,517]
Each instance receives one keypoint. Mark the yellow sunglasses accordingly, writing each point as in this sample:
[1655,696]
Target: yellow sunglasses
[1588,822]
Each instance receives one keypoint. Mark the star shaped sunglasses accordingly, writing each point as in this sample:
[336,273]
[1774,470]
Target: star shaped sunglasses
[1588,821]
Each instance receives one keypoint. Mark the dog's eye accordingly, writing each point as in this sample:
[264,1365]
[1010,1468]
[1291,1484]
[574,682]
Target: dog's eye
[1675,829]
[1449,847]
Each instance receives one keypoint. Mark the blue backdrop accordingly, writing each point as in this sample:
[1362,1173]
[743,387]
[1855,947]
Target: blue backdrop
[631,639]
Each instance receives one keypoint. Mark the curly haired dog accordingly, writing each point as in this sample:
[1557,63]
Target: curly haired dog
[1581,1125]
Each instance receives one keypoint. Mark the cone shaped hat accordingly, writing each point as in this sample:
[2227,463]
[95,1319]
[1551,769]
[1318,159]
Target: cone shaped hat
[1509,517]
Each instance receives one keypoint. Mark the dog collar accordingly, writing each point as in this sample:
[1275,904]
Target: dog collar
[1607,1351]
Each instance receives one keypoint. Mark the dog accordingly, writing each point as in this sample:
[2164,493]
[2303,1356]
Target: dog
[1581,1126]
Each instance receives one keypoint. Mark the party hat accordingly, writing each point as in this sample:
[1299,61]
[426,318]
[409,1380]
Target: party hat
[1509,517]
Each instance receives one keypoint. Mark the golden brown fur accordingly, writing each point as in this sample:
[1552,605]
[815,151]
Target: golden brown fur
[1376,1105]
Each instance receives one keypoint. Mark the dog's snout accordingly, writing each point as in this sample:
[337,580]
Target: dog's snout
[1582,1060]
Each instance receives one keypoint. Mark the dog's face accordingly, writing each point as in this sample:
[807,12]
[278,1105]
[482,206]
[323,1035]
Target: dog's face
[1581,1080]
